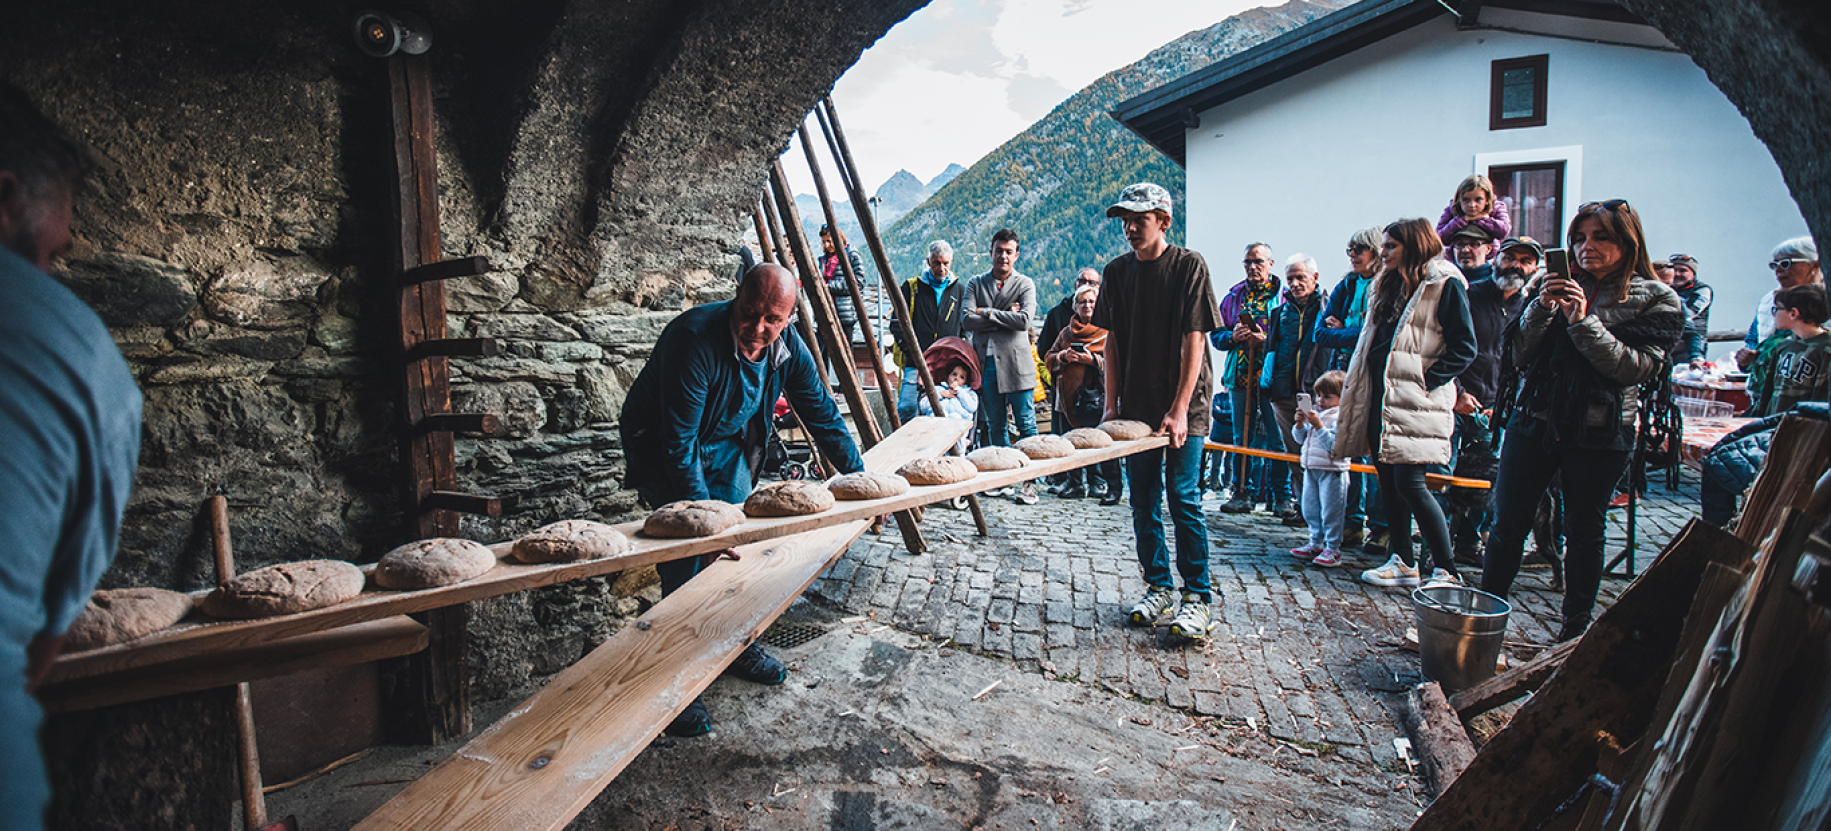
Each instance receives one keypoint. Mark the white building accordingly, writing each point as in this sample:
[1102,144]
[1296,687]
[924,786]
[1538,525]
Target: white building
[1377,111]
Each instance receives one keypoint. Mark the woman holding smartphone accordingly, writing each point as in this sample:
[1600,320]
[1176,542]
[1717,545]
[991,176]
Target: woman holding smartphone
[1077,363]
[1584,344]
[1398,403]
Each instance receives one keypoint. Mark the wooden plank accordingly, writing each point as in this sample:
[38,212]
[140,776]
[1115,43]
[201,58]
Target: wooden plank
[1437,735]
[544,762]
[1798,456]
[1511,684]
[359,643]
[923,436]
[1435,481]
[1609,684]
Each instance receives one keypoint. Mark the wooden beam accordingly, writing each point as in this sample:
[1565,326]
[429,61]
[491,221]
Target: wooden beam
[1437,735]
[1798,456]
[542,764]
[354,644]
[436,270]
[1609,685]
[507,577]
[1512,684]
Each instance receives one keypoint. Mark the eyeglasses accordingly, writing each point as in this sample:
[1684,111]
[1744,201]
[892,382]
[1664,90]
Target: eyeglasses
[1782,265]
[1682,259]
[1612,205]
[1355,250]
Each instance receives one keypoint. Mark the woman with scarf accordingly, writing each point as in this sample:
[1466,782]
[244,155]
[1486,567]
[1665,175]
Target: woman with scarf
[1398,403]
[1585,344]
[832,241]
[1077,362]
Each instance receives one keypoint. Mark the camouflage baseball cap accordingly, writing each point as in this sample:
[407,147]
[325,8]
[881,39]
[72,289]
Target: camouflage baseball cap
[1143,197]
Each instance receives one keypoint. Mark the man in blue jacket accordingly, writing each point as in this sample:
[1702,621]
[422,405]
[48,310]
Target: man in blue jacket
[697,416]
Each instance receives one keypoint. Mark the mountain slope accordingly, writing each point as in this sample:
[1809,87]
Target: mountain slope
[1052,182]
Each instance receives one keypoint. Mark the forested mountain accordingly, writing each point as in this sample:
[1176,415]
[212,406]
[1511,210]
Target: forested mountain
[1052,182]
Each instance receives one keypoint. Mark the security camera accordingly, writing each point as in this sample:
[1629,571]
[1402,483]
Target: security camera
[379,34]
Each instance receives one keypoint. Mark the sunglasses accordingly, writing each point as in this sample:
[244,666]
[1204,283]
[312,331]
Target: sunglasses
[1682,259]
[1612,205]
[1782,265]
[1354,250]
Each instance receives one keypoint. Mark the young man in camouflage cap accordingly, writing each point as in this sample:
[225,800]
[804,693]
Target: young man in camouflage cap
[1157,305]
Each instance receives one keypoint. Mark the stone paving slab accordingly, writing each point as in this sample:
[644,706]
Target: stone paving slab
[1305,655]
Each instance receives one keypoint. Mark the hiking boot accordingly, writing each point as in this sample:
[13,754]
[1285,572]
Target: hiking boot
[1236,505]
[1352,537]
[1295,521]
[1155,606]
[1112,497]
[1394,573]
[1074,491]
[755,665]
[1572,629]
[1193,620]
[695,720]
[1376,543]
[1026,495]
[1439,577]
[1329,558]
[1287,508]
[1469,557]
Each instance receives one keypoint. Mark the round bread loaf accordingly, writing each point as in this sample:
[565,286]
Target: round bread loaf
[570,540]
[942,470]
[118,615]
[868,484]
[998,458]
[1086,437]
[427,564]
[1045,447]
[692,518]
[1126,429]
[284,589]
[788,499]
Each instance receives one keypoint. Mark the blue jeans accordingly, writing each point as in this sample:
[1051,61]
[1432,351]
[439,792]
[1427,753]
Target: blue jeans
[730,485]
[1179,469]
[993,403]
[907,393]
[1325,493]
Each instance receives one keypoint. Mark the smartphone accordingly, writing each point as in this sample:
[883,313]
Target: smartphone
[1557,263]
[1079,347]
[1303,403]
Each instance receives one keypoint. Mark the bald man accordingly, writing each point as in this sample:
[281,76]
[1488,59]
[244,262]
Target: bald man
[696,419]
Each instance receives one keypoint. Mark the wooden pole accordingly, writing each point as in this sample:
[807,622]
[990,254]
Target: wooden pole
[842,154]
[804,317]
[828,318]
[858,297]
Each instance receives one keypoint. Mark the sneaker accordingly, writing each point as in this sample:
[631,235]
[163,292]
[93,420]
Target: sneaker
[1193,620]
[1155,606]
[1439,577]
[756,666]
[1376,543]
[1295,521]
[1329,558]
[1353,537]
[1306,551]
[1287,508]
[1112,497]
[1236,506]
[1026,495]
[998,492]
[1394,573]
[695,720]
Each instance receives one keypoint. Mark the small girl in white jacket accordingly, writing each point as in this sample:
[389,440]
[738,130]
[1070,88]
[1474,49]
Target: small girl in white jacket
[1325,480]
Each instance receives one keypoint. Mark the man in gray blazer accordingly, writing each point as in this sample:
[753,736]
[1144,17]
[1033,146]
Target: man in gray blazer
[999,307]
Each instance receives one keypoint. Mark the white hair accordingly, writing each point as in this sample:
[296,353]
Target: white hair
[940,248]
[1308,262]
[1801,248]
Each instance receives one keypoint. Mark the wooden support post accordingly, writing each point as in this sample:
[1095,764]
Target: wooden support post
[855,193]
[442,690]
[1436,733]
[828,318]
[804,311]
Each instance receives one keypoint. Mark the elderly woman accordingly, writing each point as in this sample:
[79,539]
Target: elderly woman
[1585,343]
[1398,403]
[1795,263]
[1077,362]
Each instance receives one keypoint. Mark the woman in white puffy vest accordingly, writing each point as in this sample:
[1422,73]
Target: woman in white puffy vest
[1397,405]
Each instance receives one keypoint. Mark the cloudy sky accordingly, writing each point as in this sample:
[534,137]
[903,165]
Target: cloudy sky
[959,77]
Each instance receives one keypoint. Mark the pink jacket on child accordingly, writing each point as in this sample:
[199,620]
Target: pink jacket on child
[1495,223]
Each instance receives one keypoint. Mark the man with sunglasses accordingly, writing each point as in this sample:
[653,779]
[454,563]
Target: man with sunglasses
[1697,298]
[1794,263]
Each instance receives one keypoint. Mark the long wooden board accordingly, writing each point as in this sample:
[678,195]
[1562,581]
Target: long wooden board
[1434,481]
[923,436]
[544,762]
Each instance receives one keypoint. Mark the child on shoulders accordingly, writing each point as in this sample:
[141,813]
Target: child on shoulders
[1325,480]
[1475,204]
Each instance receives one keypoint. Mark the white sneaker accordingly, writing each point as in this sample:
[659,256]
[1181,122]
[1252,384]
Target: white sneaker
[1439,577]
[1026,495]
[1394,573]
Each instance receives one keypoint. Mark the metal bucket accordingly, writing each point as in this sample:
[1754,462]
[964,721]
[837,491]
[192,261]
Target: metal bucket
[1460,634]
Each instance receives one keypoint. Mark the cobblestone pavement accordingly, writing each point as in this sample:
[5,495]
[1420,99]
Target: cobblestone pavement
[1309,656]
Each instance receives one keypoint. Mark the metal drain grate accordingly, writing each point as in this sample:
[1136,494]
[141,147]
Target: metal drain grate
[789,637]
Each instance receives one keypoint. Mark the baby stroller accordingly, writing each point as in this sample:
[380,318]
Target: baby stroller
[944,353]
[788,452]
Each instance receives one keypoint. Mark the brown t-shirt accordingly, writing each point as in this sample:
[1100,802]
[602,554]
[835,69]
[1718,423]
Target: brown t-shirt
[1147,308]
